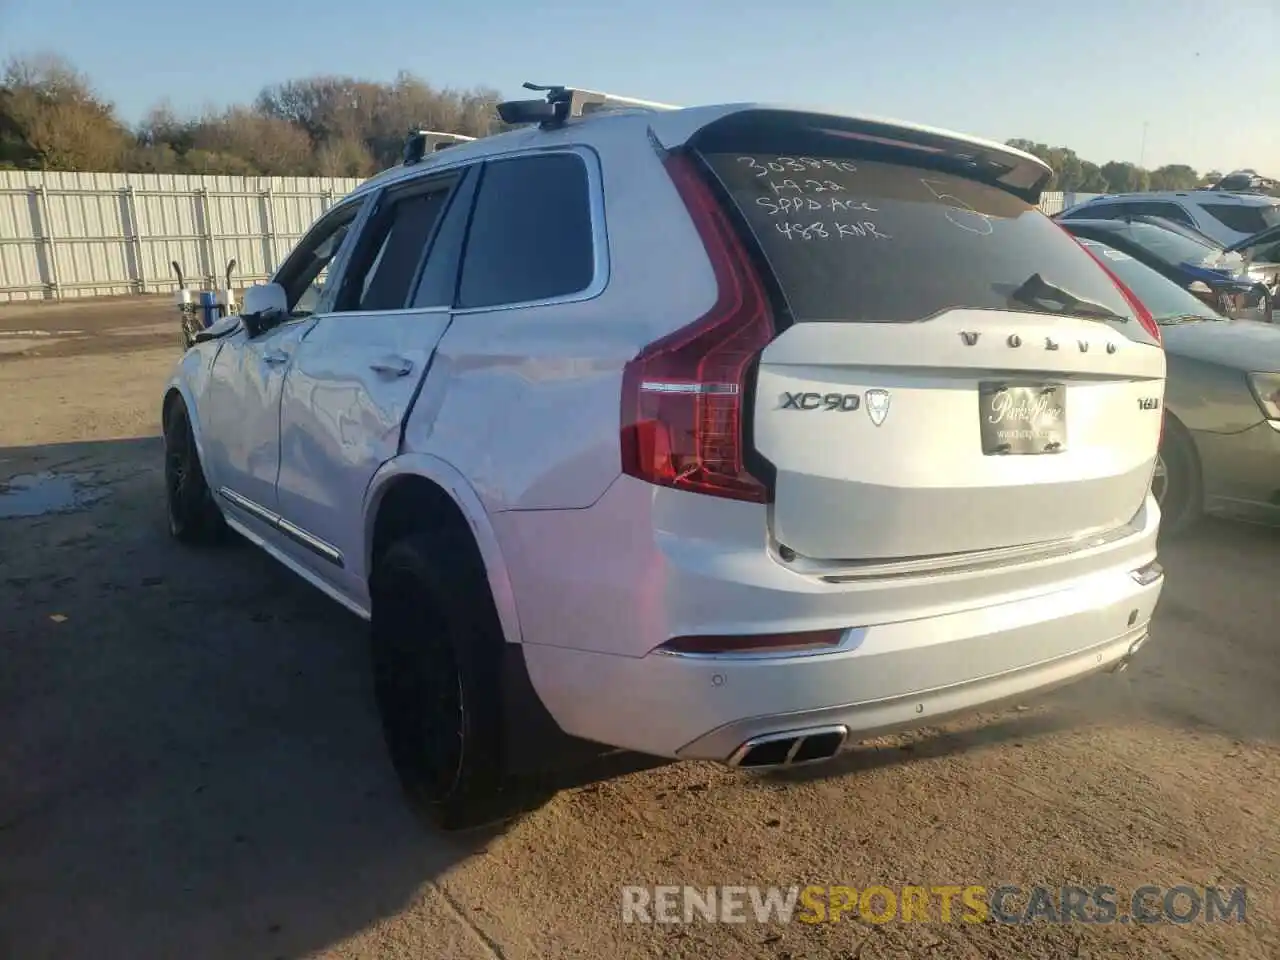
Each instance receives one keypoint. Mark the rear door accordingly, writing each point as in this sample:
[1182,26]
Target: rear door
[356,374]
[954,373]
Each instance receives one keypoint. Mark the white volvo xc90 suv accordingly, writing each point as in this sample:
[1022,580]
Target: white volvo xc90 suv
[733,433]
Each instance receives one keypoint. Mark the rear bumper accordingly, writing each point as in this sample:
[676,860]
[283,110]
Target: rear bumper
[885,676]
[874,717]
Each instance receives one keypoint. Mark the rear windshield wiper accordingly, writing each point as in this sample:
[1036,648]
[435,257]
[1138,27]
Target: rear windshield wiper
[1035,291]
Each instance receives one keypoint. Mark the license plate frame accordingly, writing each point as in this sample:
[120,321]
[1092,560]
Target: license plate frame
[1022,417]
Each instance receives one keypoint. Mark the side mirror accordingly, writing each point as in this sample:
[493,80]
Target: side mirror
[263,304]
[1199,286]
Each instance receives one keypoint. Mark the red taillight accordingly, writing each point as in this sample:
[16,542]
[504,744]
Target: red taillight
[683,396]
[1139,308]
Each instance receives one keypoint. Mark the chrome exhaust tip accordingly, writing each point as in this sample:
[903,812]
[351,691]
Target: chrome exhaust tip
[791,748]
[1123,663]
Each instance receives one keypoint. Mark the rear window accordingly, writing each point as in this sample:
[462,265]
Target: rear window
[870,241]
[1242,218]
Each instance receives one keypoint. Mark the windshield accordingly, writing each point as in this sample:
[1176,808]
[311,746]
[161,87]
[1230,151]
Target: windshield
[1167,301]
[1173,248]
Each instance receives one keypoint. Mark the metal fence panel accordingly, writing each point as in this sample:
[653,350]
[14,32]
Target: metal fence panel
[92,234]
[1051,202]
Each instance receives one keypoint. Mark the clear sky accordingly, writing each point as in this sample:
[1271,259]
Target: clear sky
[1202,75]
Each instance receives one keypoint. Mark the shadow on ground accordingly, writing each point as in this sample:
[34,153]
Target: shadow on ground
[192,765]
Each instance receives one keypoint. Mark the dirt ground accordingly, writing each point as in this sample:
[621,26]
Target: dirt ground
[190,764]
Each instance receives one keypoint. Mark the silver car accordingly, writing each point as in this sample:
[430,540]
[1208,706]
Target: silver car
[1220,452]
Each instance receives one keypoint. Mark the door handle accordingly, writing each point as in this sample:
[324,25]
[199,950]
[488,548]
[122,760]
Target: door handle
[392,366]
[275,357]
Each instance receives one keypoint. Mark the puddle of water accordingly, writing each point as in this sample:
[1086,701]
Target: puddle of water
[38,494]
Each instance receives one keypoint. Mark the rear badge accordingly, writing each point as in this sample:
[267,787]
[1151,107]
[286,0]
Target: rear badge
[843,402]
[877,405]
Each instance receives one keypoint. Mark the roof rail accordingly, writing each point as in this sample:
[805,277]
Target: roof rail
[421,142]
[565,103]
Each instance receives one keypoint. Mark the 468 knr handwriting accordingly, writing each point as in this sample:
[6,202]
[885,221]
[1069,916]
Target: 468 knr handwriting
[827,231]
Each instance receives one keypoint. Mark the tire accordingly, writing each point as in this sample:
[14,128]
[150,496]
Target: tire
[193,516]
[1177,485]
[436,645]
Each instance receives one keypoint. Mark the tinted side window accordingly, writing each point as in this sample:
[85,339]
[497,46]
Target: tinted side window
[530,236]
[439,280]
[303,274]
[1169,211]
[384,270]
[1107,211]
[1240,218]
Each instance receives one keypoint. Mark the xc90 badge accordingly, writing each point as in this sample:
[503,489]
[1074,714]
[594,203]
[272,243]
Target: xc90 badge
[842,402]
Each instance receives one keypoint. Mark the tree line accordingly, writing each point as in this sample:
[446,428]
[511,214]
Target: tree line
[1071,173]
[52,118]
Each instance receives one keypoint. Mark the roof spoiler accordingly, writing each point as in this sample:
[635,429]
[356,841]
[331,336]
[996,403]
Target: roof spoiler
[421,142]
[566,103]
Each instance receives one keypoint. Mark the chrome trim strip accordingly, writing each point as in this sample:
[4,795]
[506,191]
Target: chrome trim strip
[291,564]
[661,386]
[249,506]
[291,530]
[314,544]
[856,570]
[402,312]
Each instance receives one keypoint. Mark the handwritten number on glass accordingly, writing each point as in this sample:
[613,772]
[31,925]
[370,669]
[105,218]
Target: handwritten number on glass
[796,165]
[800,231]
[959,212]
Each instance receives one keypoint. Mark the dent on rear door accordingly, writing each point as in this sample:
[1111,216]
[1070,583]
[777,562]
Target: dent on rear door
[525,407]
[523,398]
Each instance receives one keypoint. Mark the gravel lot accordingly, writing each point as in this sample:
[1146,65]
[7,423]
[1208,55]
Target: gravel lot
[190,764]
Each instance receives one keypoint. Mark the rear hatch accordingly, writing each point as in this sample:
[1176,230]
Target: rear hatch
[953,372]
[1262,256]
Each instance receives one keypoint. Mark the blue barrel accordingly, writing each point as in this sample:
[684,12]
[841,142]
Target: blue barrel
[208,307]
